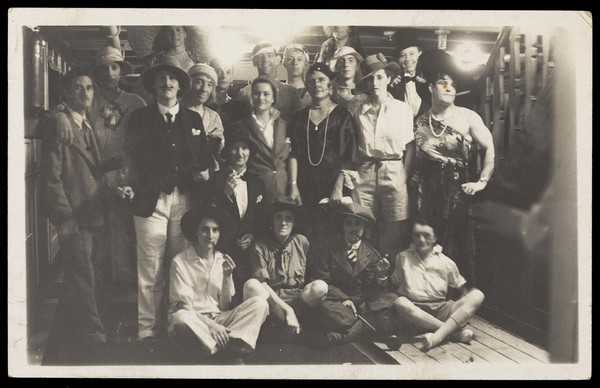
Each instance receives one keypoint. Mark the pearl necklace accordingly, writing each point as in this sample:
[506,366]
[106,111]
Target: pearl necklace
[308,139]
[431,126]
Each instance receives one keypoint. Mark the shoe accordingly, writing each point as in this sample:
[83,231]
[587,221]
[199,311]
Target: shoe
[393,342]
[238,345]
[332,338]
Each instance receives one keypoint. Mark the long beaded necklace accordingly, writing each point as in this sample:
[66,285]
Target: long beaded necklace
[308,140]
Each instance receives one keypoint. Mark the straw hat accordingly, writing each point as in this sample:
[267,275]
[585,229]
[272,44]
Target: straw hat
[109,54]
[343,51]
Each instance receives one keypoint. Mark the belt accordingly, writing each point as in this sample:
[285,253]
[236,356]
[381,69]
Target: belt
[378,160]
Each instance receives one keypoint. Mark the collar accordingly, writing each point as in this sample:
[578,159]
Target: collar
[77,117]
[274,115]
[164,110]
[366,106]
[241,173]
[353,246]
[191,254]
[436,250]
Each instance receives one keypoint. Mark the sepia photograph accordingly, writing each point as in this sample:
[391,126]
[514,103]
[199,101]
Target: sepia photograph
[258,194]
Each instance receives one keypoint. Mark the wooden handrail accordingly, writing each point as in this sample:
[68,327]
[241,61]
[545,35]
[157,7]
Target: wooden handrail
[500,42]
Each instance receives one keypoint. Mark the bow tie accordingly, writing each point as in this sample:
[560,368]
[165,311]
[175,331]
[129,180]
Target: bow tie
[406,79]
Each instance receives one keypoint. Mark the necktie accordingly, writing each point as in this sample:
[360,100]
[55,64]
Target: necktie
[169,121]
[351,255]
[88,137]
[87,134]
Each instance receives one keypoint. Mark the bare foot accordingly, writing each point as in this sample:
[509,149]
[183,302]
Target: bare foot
[430,340]
[464,335]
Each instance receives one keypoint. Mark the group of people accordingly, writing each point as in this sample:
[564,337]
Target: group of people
[311,206]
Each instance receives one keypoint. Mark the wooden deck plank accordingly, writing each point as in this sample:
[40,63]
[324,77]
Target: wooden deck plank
[510,339]
[442,355]
[396,355]
[463,355]
[485,352]
[414,353]
[503,348]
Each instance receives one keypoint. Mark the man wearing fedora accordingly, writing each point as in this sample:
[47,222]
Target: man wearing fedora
[266,60]
[404,87]
[201,289]
[169,155]
[386,150]
[241,194]
[295,61]
[355,273]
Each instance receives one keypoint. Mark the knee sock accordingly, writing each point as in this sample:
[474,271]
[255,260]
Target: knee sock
[457,320]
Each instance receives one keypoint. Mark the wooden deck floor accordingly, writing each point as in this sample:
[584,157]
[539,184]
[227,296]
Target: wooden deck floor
[489,345]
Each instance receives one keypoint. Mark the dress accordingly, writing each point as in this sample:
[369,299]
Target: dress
[331,154]
[445,160]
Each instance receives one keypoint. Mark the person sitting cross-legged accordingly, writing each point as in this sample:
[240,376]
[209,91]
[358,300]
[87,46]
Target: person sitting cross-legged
[279,261]
[422,277]
[201,289]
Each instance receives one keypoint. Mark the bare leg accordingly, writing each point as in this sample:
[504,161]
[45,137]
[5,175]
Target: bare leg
[414,314]
[253,287]
[467,306]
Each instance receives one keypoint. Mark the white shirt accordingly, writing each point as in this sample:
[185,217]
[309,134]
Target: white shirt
[164,110]
[385,134]
[268,131]
[241,195]
[411,96]
[78,118]
[354,246]
[428,279]
[195,284]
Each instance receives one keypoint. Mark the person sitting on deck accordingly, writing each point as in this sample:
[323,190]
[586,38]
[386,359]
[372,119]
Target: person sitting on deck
[201,289]
[279,261]
[422,276]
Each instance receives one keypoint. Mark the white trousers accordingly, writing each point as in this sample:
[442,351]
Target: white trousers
[159,239]
[243,322]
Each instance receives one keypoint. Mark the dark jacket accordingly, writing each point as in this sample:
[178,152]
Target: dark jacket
[145,144]
[269,164]
[398,91]
[256,200]
[356,283]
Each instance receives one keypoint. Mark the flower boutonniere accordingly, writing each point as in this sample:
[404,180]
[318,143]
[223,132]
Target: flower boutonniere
[259,198]
[113,114]
[196,132]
